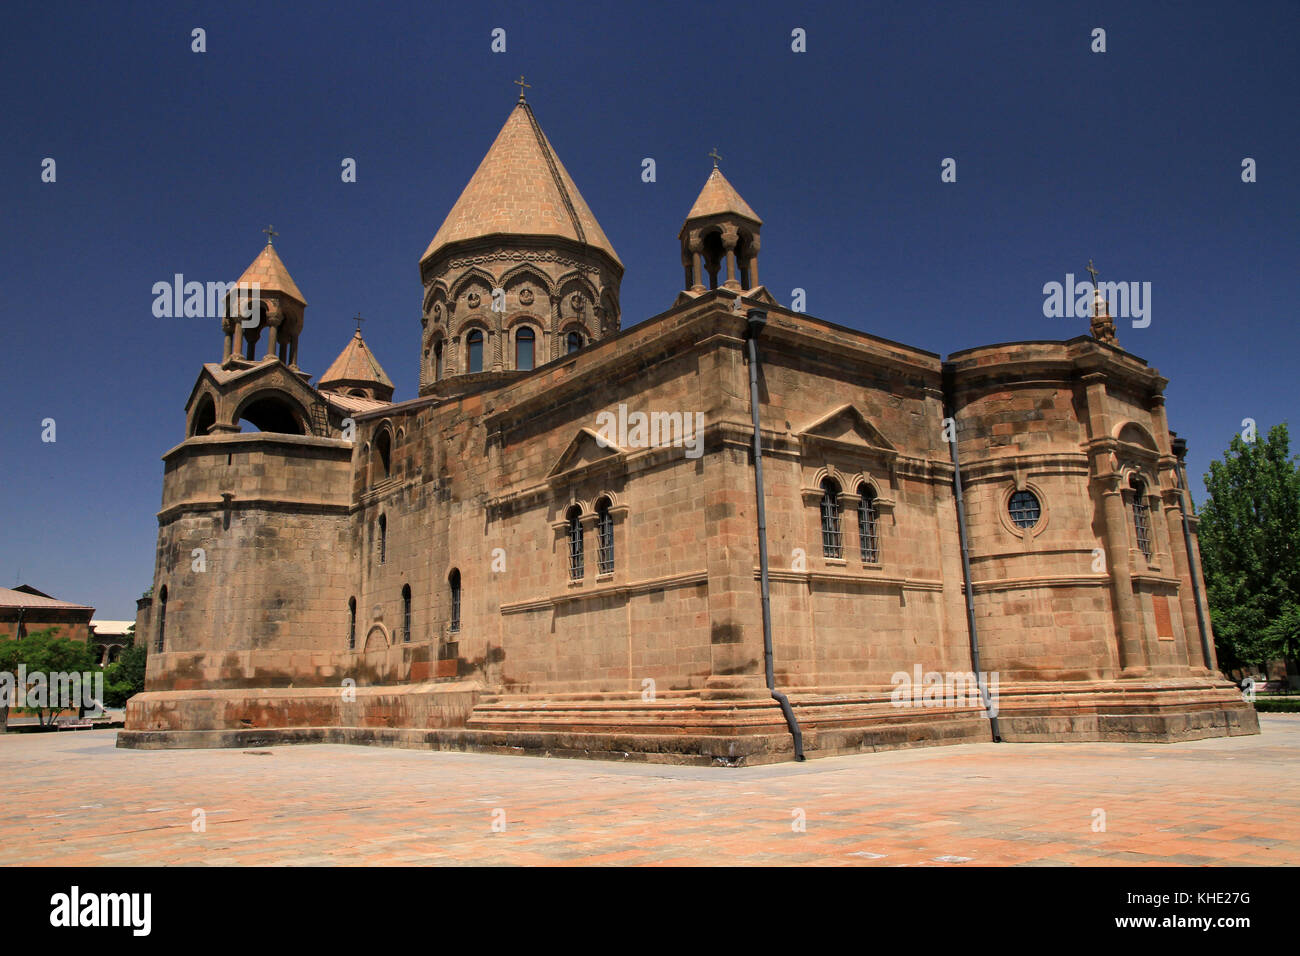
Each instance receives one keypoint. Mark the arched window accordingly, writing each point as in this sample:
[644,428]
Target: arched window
[831,543]
[572,342]
[1025,509]
[437,361]
[524,341]
[453,584]
[160,643]
[271,413]
[867,538]
[382,455]
[574,516]
[205,417]
[383,538]
[352,623]
[1141,515]
[406,613]
[605,534]
[474,355]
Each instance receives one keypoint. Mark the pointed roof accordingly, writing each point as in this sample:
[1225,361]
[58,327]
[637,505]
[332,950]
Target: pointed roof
[270,275]
[719,197]
[521,188]
[355,364]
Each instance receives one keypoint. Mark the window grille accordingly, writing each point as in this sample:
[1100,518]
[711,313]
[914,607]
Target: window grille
[605,529]
[575,546]
[831,538]
[1025,509]
[1142,517]
[867,527]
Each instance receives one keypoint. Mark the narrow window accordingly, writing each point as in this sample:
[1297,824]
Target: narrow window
[831,546]
[475,345]
[383,538]
[406,613]
[524,340]
[383,455]
[1141,515]
[453,583]
[575,543]
[437,361]
[573,342]
[867,538]
[605,532]
[352,623]
[162,621]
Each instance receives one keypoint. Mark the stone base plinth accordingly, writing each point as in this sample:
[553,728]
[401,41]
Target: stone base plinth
[683,727]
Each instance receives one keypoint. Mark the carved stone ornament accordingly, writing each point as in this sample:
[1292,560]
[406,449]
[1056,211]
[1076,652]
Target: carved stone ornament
[473,299]
[526,296]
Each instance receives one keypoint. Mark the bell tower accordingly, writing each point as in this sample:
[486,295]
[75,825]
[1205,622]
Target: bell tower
[720,238]
[278,307]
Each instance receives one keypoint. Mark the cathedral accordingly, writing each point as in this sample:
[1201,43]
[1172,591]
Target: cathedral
[731,533]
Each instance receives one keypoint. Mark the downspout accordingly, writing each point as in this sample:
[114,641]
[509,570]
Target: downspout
[757,319]
[1193,554]
[950,424]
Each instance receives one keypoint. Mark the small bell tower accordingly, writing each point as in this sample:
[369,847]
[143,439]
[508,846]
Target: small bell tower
[279,308]
[720,238]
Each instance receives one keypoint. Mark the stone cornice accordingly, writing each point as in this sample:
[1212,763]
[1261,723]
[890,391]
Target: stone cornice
[860,579]
[579,593]
[1040,581]
[230,441]
[286,504]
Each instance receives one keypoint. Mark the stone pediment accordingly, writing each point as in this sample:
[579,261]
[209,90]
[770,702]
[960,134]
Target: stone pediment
[847,427]
[585,450]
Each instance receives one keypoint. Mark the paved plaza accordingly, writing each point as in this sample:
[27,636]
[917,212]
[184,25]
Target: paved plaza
[73,798]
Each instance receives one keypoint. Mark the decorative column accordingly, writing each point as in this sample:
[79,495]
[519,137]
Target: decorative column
[1132,653]
[557,340]
[753,262]
[1178,553]
[696,246]
[228,327]
[1107,478]
[729,238]
[273,320]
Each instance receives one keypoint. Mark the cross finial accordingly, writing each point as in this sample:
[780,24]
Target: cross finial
[522,86]
[1094,274]
[270,235]
[358,320]
[714,154]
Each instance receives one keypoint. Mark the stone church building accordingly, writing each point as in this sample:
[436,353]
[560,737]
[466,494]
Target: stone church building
[558,546]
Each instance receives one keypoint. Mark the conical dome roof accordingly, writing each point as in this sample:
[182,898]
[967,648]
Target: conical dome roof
[356,365]
[270,275]
[719,197]
[521,188]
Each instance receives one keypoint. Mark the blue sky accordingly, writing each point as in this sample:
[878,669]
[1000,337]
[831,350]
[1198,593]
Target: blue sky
[172,161]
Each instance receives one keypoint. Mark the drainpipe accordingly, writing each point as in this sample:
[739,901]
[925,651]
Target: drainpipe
[951,424]
[757,319]
[1193,555]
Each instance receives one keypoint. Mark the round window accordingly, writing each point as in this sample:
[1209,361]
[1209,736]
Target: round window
[1025,509]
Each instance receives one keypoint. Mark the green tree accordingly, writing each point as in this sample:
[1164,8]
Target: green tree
[1250,552]
[124,678]
[41,652]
